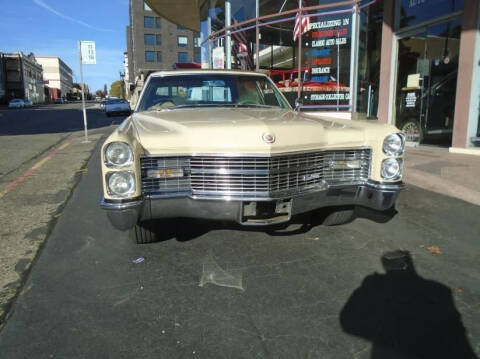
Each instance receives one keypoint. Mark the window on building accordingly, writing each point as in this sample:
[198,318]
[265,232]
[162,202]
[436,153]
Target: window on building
[158,38]
[180,27]
[146,7]
[158,23]
[197,41]
[150,56]
[159,56]
[182,57]
[149,39]
[197,57]
[182,41]
[148,21]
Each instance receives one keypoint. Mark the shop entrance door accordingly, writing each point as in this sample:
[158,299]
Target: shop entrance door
[427,67]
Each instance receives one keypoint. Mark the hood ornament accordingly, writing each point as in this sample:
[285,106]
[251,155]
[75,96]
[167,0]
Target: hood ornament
[268,138]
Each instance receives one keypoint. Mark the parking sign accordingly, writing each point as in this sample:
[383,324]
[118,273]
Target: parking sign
[89,56]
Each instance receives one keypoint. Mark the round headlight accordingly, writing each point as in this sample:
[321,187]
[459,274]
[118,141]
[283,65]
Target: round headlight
[121,184]
[118,154]
[392,168]
[394,144]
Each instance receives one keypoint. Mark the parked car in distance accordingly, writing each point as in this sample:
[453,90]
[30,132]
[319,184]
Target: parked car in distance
[59,100]
[28,103]
[226,145]
[117,107]
[16,103]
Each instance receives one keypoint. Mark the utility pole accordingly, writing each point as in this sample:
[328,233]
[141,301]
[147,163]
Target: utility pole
[83,93]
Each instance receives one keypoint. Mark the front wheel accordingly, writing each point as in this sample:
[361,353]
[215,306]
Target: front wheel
[412,130]
[339,217]
[144,232]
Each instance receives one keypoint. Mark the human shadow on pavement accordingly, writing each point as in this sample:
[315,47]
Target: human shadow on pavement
[405,315]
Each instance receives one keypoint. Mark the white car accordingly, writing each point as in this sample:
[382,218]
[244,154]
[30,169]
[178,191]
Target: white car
[117,107]
[28,103]
[16,103]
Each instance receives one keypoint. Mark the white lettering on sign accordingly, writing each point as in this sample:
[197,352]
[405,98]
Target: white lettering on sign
[325,24]
[321,70]
[318,43]
[329,96]
[414,3]
[410,99]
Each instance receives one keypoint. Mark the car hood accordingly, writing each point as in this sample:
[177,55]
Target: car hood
[240,130]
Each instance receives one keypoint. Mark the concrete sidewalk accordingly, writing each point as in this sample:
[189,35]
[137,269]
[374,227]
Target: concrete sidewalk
[437,170]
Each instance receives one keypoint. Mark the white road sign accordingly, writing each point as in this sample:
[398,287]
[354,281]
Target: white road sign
[89,55]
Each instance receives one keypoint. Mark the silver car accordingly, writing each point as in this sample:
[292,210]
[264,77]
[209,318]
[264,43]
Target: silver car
[16,103]
[117,107]
[28,103]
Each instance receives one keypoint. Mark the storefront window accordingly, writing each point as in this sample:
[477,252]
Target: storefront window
[369,52]
[426,82]
[413,12]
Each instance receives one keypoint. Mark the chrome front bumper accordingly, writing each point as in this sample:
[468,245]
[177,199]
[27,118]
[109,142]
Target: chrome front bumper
[124,215]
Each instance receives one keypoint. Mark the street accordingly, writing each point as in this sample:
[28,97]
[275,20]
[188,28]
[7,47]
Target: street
[217,290]
[37,173]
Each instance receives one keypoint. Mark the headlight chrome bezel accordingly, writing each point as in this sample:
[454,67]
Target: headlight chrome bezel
[398,175]
[389,151]
[130,157]
[133,186]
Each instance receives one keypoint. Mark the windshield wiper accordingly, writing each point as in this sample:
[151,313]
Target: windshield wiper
[253,105]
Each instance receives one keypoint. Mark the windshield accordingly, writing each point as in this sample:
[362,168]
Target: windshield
[210,90]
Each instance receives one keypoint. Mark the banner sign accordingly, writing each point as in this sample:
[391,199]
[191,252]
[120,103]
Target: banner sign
[326,70]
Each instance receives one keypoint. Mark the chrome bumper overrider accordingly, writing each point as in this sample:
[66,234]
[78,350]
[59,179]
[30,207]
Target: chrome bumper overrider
[124,215]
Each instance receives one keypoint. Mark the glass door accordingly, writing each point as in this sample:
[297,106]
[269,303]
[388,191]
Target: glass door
[426,82]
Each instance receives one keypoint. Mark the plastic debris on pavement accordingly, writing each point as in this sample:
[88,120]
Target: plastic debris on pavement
[214,274]
[138,260]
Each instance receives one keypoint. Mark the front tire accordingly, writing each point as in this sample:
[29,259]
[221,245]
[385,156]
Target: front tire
[144,233]
[413,131]
[339,217]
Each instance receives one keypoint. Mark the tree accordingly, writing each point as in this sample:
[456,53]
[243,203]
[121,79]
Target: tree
[100,93]
[105,90]
[116,89]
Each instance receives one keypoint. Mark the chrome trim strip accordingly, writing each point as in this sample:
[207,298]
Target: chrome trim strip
[397,186]
[120,205]
[266,155]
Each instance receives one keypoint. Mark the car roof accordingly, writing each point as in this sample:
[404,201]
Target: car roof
[198,72]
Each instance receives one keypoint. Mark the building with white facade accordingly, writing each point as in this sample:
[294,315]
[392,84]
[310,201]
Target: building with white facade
[57,75]
[22,78]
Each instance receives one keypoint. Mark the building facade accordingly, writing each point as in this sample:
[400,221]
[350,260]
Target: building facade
[155,44]
[23,77]
[57,75]
[411,63]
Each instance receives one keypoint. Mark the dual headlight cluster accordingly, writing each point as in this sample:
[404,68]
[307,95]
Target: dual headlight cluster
[392,167]
[120,184]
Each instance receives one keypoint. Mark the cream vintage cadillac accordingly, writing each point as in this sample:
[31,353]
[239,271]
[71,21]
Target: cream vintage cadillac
[226,145]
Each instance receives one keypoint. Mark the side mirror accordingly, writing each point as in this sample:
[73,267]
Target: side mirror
[298,104]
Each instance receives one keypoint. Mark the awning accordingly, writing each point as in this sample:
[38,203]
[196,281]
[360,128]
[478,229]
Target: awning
[181,12]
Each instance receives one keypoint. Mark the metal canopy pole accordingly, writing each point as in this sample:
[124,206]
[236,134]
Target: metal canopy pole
[299,91]
[354,61]
[83,92]
[228,38]
[257,36]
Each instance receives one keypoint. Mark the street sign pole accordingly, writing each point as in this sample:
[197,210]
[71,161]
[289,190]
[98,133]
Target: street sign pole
[83,93]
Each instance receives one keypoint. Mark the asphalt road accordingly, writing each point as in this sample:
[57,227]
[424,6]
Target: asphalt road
[214,290]
[49,119]
[37,174]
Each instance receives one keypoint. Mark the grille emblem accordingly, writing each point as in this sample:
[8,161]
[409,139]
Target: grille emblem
[268,137]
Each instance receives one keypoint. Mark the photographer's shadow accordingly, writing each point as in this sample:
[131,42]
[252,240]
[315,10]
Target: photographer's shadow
[405,315]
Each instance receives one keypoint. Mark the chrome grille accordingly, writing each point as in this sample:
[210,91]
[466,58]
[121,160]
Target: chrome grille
[257,177]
